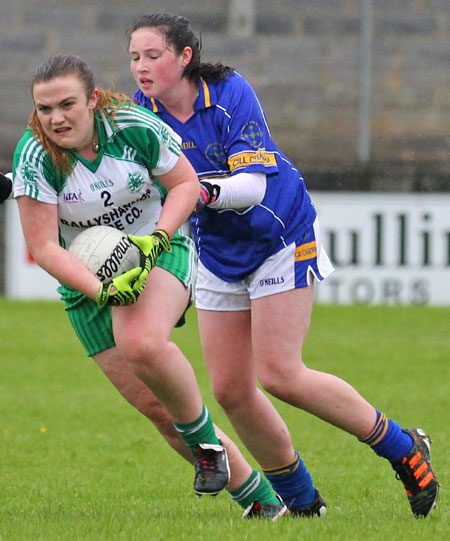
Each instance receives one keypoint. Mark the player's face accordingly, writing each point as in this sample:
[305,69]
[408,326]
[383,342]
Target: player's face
[156,67]
[65,113]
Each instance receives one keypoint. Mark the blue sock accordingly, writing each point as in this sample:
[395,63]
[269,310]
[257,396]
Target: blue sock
[388,440]
[293,483]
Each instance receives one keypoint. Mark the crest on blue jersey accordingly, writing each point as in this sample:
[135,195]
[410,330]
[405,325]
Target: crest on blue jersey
[252,134]
[216,154]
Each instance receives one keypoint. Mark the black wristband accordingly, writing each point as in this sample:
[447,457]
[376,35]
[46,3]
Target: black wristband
[213,191]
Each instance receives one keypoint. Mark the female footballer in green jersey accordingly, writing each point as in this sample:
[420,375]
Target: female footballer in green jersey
[89,157]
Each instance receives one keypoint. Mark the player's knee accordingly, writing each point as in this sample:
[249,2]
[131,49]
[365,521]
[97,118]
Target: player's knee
[273,384]
[229,396]
[142,352]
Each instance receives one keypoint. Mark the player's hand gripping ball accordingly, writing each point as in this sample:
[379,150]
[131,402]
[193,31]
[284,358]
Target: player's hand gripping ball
[121,291]
[150,248]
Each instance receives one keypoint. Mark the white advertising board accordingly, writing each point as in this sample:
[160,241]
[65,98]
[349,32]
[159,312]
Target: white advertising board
[386,249]
[24,279]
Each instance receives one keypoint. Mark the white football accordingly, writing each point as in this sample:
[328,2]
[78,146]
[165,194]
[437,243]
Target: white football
[105,251]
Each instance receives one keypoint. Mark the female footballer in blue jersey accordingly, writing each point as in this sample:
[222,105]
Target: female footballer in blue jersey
[80,136]
[260,252]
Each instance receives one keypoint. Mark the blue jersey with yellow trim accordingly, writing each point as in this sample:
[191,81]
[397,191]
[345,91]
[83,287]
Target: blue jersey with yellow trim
[229,134]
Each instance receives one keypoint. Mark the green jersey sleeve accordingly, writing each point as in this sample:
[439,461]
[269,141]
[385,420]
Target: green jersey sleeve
[34,174]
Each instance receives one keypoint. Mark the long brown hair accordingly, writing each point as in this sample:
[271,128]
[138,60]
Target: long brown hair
[61,66]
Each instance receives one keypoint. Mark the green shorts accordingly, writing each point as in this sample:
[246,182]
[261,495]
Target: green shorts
[93,325]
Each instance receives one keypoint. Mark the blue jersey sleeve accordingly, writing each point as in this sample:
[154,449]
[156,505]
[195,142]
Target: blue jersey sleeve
[247,139]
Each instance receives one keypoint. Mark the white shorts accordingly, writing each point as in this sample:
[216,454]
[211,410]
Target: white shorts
[292,267]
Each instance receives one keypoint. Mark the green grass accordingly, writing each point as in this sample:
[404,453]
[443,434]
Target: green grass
[78,463]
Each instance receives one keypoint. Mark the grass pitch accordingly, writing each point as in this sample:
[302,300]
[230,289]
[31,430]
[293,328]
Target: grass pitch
[78,463]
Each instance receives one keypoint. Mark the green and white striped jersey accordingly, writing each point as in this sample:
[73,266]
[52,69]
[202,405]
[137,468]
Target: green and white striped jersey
[119,189]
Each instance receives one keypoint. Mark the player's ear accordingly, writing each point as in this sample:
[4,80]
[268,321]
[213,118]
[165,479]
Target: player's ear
[186,56]
[93,100]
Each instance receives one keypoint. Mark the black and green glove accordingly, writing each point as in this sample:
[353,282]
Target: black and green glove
[150,247]
[122,290]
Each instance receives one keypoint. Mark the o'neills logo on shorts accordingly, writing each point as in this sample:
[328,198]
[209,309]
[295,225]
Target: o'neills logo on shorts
[306,251]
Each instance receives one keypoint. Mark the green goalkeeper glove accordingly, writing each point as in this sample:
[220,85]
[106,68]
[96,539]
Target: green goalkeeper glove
[150,247]
[122,290]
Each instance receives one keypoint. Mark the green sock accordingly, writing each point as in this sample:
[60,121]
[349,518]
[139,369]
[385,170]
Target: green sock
[199,431]
[255,489]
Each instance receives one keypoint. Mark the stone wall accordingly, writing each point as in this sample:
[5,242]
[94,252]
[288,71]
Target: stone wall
[303,61]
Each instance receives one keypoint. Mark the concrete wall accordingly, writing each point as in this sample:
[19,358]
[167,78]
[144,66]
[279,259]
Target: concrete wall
[303,61]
